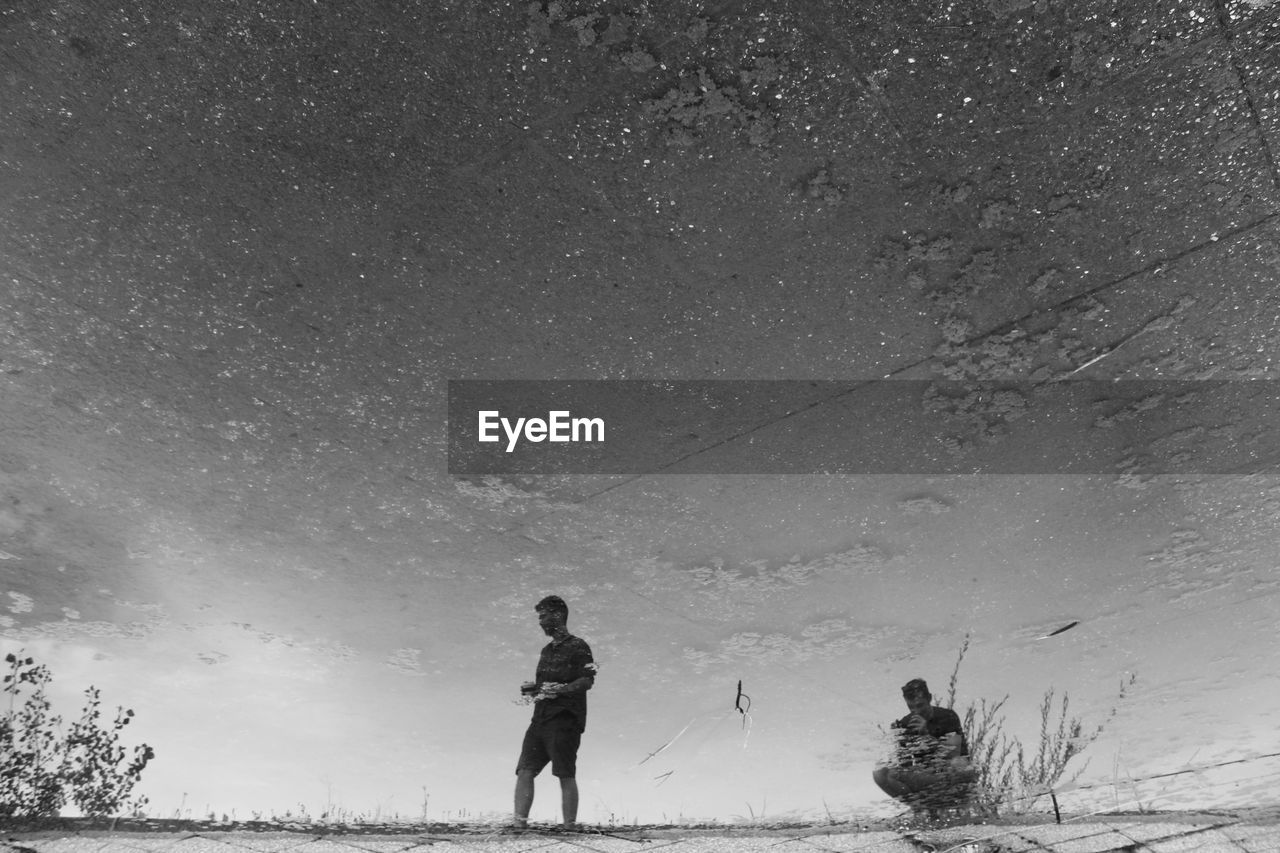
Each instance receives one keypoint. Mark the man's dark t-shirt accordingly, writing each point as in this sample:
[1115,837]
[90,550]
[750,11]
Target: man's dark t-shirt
[914,749]
[562,662]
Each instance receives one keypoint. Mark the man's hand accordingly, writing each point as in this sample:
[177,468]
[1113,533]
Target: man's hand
[552,689]
[917,724]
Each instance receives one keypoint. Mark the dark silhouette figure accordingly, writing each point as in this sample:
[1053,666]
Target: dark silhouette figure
[931,767]
[566,671]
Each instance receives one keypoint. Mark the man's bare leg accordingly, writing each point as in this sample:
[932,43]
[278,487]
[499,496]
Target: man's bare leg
[569,801]
[903,784]
[524,798]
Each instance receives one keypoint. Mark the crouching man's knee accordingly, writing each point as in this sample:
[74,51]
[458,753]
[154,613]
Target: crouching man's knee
[885,781]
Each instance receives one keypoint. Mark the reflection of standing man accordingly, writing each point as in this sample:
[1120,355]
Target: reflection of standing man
[932,754]
[565,673]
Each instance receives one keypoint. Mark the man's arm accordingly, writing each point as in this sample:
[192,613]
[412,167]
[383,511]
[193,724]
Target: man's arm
[585,665]
[578,685]
[952,735]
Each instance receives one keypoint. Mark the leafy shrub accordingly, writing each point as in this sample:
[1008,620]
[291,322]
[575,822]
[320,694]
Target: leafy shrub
[42,767]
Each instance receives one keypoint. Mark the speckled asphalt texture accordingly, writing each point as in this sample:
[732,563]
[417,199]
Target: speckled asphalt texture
[1207,833]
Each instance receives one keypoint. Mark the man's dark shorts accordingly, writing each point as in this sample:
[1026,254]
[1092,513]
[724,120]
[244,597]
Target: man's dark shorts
[555,740]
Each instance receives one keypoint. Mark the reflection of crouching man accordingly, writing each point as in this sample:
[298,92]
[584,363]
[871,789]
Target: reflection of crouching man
[932,765]
[565,673]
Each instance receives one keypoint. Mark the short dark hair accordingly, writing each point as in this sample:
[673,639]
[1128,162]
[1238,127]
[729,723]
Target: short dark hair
[916,687]
[553,603]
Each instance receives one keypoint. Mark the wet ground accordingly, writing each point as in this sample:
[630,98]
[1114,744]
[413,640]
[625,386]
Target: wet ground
[244,245]
[1159,833]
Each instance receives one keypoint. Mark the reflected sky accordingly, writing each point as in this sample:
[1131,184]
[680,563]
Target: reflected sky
[245,248]
[314,685]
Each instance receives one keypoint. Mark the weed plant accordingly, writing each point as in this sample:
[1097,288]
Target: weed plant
[1010,776]
[43,766]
